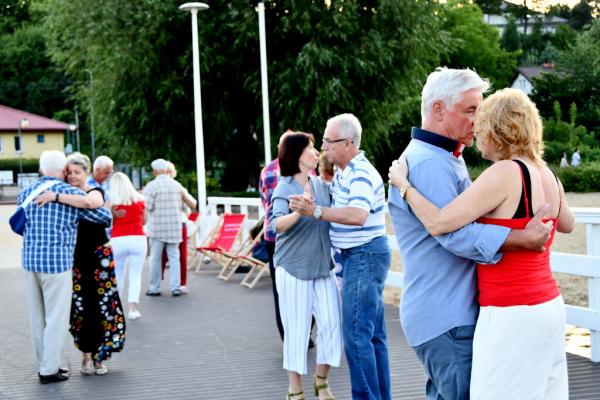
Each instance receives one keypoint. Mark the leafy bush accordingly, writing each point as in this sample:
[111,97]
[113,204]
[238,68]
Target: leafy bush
[585,178]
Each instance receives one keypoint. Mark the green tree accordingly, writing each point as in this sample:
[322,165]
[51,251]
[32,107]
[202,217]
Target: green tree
[28,78]
[581,14]
[511,38]
[563,37]
[576,81]
[367,57]
[490,6]
[475,44]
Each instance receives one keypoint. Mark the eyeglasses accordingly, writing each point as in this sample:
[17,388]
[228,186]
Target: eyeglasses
[329,141]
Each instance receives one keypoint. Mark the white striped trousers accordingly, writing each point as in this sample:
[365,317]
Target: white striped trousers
[299,300]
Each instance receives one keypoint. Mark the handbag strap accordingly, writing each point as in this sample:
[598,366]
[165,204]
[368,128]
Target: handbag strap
[44,186]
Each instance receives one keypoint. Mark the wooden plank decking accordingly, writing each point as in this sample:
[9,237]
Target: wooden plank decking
[218,342]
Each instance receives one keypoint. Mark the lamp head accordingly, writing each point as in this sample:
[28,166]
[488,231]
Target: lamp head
[24,122]
[193,7]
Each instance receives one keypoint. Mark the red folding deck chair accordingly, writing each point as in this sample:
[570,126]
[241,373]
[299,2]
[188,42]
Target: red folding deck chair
[222,241]
[243,257]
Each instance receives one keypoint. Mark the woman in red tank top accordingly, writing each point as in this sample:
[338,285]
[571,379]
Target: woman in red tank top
[518,347]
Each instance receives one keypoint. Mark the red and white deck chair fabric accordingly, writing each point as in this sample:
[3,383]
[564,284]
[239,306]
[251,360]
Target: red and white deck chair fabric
[243,257]
[220,247]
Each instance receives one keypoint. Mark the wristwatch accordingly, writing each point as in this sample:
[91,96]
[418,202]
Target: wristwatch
[317,212]
[403,190]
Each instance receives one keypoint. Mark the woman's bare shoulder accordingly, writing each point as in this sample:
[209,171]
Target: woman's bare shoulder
[501,169]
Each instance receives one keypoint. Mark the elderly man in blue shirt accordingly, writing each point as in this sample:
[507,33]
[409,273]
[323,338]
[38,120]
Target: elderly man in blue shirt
[439,299]
[48,244]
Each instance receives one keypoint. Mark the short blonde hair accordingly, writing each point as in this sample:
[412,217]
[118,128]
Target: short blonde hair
[79,159]
[122,192]
[510,122]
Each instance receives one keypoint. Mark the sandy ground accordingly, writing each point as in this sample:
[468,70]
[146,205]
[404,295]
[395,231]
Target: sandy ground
[573,288]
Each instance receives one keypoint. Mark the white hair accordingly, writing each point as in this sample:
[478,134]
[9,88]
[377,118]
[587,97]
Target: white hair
[102,162]
[52,161]
[447,85]
[349,127]
[122,192]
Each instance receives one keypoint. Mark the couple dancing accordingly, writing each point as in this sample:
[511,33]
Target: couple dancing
[511,332]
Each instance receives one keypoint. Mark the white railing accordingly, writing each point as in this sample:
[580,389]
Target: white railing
[573,264]
[251,207]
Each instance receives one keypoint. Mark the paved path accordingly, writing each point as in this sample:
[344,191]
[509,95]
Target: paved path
[218,342]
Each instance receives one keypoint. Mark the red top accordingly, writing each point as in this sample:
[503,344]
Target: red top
[132,223]
[521,277]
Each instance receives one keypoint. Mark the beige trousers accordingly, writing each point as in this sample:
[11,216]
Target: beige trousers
[49,304]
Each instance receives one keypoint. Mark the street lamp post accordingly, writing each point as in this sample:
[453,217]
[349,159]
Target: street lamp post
[72,129]
[23,123]
[264,81]
[89,71]
[77,126]
[200,170]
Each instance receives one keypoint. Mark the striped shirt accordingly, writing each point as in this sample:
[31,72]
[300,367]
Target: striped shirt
[51,231]
[358,185]
[163,197]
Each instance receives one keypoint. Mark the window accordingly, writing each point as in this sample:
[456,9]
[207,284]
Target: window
[41,138]
[17,144]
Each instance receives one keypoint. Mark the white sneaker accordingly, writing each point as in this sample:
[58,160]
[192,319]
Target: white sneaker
[183,289]
[133,315]
[101,369]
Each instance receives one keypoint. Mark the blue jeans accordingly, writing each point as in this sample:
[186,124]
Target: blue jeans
[447,361]
[365,341]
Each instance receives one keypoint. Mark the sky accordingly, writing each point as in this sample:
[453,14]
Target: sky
[570,3]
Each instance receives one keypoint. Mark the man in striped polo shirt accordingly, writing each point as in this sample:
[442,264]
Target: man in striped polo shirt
[357,219]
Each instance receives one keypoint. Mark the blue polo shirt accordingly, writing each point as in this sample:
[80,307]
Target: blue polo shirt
[440,289]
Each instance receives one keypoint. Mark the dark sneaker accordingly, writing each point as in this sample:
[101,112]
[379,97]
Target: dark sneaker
[57,377]
[176,292]
[149,293]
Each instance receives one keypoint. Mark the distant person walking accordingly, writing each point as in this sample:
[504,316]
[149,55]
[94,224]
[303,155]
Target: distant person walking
[187,199]
[48,245]
[128,239]
[575,158]
[164,196]
[564,163]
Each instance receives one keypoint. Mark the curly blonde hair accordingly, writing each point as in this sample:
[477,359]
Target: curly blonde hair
[510,122]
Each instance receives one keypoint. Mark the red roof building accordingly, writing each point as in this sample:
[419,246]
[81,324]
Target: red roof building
[38,134]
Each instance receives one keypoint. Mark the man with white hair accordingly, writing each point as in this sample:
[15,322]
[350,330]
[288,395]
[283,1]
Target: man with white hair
[48,244]
[357,219]
[163,196]
[439,306]
[103,169]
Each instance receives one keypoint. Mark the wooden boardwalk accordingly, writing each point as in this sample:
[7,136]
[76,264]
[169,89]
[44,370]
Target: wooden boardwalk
[218,342]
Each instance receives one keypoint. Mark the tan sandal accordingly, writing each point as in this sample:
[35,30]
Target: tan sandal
[323,387]
[296,396]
